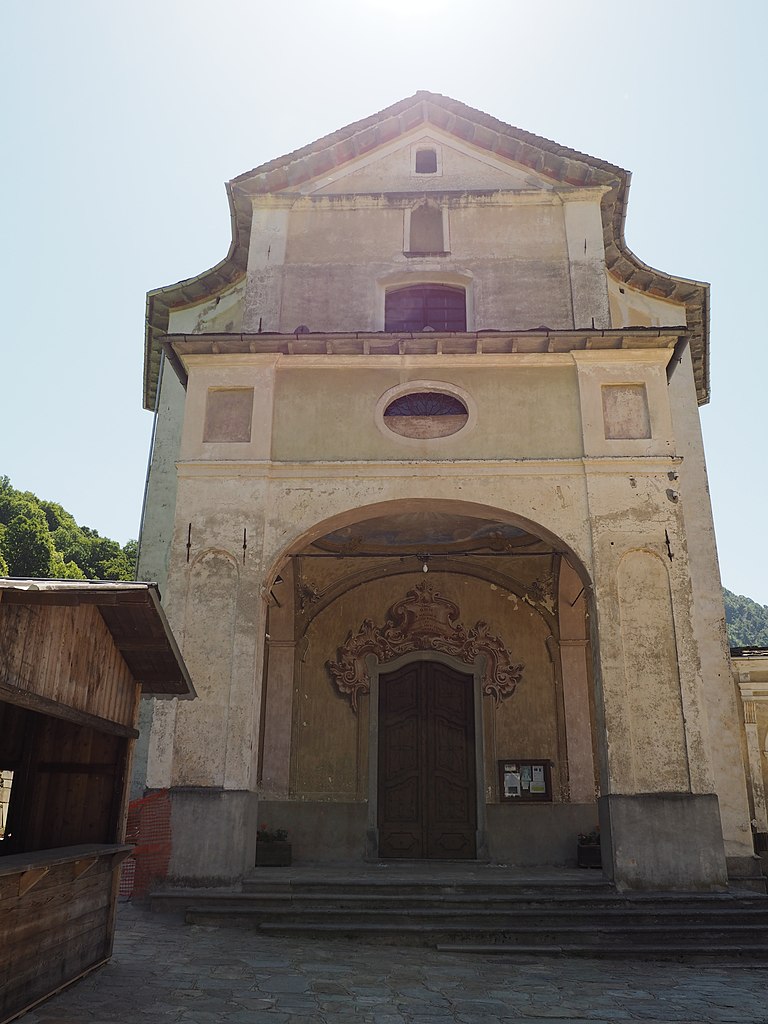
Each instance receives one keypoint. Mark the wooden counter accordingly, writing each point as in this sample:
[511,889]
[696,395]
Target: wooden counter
[56,918]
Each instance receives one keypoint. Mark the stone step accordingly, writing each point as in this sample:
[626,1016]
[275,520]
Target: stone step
[416,888]
[662,907]
[541,916]
[343,921]
[627,919]
[577,942]
[758,951]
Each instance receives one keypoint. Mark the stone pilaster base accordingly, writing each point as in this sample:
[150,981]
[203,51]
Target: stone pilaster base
[213,835]
[663,841]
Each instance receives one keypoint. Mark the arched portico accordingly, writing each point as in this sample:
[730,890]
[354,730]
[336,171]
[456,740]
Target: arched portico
[498,587]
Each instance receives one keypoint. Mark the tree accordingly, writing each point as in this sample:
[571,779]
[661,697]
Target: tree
[40,538]
[746,621]
[119,567]
[61,570]
[27,544]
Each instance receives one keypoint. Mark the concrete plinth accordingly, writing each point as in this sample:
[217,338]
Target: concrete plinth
[321,833]
[537,835]
[213,835]
[663,841]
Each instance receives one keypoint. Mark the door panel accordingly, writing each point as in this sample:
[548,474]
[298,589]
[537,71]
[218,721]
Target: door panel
[426,784]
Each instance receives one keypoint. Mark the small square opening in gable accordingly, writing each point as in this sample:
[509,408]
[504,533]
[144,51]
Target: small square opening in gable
[426,161]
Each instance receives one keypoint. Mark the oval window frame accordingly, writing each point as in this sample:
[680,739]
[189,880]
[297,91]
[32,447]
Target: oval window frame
[441,387]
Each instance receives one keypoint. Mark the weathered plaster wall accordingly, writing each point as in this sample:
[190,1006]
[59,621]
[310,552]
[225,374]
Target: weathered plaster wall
[328,412]
[156,531]
[530,260]
[750,672]
[223,313]
[702,607]
[632,308]
[623,506]
[160,499]
[613,502]
[652,695]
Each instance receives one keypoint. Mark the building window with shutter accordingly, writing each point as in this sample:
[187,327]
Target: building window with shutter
[430,307]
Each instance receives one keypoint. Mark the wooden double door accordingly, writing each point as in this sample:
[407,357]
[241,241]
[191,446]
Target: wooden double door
[427,799]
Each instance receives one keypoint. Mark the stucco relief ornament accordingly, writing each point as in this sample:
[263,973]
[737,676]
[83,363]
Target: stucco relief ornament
[424,620]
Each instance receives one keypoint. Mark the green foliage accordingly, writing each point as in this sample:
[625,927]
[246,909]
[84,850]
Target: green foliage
[746,620]
[62,570]
[28,545]
[40,538]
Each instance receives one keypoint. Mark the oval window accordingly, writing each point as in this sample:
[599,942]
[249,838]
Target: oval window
[426,414]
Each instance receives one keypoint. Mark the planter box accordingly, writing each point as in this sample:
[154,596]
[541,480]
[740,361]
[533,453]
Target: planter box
[588,855]
[273,855]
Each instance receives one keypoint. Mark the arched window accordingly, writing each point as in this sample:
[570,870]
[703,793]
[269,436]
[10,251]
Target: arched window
[425,306]
[426,234]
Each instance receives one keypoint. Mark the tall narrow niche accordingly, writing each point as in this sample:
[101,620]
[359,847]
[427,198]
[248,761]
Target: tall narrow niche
[427,229]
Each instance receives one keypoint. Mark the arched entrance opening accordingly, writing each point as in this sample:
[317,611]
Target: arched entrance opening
[428,691]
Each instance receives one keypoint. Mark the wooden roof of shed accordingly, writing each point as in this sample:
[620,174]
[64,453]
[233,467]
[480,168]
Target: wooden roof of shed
[133,615]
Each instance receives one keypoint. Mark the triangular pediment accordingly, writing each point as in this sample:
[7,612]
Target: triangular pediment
[466,129]
[454,165]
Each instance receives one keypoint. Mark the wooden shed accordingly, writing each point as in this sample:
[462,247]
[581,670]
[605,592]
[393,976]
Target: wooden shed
[75,658]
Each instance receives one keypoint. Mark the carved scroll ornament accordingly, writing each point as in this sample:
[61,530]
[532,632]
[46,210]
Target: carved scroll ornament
[424,620]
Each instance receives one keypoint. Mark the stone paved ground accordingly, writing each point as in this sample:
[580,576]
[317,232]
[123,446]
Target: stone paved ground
[166,971]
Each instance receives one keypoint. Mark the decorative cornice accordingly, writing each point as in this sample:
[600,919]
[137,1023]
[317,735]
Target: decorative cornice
[652,344]
[424,621]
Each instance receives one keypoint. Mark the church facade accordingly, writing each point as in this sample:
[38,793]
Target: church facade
[428,507]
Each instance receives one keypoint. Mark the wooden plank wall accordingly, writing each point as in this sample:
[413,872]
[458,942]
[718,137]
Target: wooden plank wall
[52,933]
[66,654]
[68,782]
[73,786]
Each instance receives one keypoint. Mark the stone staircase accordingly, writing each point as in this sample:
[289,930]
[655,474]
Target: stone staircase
[482,910]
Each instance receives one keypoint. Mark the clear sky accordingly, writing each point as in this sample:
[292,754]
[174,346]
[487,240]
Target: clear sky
[121,123]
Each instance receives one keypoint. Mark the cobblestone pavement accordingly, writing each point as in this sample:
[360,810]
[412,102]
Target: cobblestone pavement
[166,971]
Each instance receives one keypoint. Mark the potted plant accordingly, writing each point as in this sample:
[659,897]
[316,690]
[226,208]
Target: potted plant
[588,849]
[272,848]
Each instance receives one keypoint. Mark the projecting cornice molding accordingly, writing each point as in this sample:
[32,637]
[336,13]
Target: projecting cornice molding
[475,127]
[531,346]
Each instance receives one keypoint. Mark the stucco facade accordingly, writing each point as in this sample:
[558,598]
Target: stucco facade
[750,673]
[431,420]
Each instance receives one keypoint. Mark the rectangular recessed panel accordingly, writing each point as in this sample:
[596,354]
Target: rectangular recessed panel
[228,415]
[625,411]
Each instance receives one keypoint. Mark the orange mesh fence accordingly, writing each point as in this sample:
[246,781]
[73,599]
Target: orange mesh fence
[149,827]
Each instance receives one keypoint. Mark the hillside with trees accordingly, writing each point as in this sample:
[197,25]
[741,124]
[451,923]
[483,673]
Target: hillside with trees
[40,538]
[747,621]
